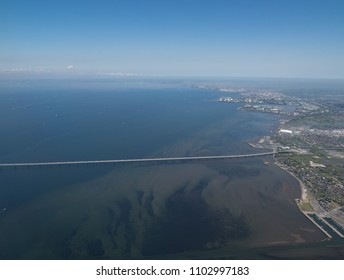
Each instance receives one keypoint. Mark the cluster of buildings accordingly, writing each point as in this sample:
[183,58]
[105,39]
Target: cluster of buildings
[308,136]
[328,191]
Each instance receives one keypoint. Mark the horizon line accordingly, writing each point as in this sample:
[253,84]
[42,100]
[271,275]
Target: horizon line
[118,75]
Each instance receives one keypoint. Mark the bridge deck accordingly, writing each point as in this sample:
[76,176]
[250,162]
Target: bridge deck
[59,163]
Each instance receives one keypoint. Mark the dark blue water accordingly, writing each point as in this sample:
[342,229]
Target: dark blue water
[67,124]
[126,211]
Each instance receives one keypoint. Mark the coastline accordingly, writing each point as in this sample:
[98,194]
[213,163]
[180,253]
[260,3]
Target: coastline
[302,185]
[316,209]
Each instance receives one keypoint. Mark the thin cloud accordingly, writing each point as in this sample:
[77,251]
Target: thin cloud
[120,74]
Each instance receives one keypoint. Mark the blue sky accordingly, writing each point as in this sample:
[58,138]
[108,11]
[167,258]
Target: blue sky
[172,37]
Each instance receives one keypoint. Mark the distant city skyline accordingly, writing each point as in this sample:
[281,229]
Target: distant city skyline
[292,39]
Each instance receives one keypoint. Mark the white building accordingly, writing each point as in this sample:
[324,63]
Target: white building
[286,131]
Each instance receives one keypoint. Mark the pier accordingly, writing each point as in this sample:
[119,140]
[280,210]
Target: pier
[139,160]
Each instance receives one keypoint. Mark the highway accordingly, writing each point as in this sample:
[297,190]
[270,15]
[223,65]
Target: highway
[113,161]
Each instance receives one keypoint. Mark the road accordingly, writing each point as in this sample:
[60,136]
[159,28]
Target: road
[111,161]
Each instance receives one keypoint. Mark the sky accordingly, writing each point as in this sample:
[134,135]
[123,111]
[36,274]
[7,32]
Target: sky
[241,38]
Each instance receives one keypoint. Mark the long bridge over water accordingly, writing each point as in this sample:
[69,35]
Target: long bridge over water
[138,160]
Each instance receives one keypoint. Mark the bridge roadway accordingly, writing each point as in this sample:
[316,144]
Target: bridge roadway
[60,163]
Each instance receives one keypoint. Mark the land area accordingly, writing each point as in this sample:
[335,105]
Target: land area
[311,132]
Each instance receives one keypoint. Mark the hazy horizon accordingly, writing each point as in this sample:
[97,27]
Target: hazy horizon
[276,39]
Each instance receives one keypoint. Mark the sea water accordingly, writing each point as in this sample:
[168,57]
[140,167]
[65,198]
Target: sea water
[195,209]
